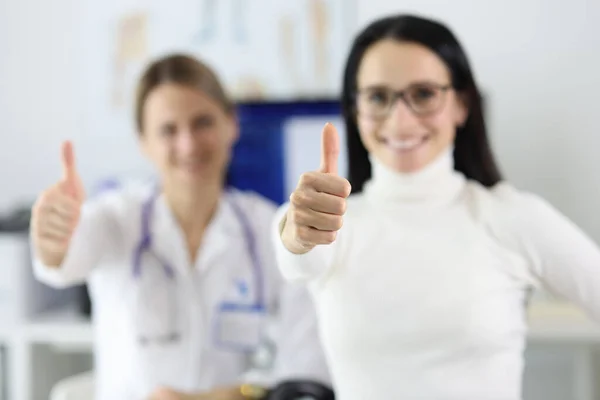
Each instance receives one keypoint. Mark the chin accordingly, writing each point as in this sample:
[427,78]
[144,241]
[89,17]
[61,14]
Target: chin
[408,168]
[409,163]
[189,177]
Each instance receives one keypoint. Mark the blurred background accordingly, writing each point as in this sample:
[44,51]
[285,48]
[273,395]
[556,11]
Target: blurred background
[67,69]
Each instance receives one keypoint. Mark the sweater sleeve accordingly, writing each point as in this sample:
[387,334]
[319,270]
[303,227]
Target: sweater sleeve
[95,237]
[561,256]
[305,267]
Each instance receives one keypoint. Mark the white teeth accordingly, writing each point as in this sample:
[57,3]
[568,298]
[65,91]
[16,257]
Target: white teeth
[406,144]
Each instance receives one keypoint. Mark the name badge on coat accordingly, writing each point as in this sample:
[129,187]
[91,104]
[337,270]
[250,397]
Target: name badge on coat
[239,325]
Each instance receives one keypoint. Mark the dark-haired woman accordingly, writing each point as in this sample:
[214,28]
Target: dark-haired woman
[421,293]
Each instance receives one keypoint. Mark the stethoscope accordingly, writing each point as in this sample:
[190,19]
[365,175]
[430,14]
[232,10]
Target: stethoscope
[238,325]
[287,390]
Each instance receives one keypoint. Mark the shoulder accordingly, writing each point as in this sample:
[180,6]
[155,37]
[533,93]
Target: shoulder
[119,202]
[514,217]
[252,201]
[257,207]
[507,202]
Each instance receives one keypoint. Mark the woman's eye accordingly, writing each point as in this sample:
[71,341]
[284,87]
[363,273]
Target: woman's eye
[421,95]
[378,97]
[168,130]
[204,121]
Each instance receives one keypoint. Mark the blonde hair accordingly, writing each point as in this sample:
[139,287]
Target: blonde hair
[184,70]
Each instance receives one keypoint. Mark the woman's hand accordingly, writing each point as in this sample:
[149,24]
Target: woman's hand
[319,201]
[56,213]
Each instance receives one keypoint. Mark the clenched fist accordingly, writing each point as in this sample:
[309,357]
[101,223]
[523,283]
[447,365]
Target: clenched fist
[56,212]
[318,203]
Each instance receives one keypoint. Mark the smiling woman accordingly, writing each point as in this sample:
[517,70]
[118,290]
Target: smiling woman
[426,68]
[425,124]
[186,122]
[188,302]
[421,276]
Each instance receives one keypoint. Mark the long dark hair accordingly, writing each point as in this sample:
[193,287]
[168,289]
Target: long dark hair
[472,153]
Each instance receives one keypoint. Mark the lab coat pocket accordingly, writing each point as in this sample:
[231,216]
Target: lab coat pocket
[163,364]
[162,352]
[155,314]
[155,305]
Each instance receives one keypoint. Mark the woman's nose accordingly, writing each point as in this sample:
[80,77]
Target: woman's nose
[402,117]
[186,141]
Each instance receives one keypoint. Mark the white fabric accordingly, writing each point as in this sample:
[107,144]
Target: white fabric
[78,387]
[101,252]
[423,294]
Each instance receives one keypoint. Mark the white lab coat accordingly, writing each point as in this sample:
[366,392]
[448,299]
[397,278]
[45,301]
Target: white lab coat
[101,253]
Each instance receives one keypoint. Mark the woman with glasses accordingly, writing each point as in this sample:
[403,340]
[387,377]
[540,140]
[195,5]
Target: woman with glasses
[421,293]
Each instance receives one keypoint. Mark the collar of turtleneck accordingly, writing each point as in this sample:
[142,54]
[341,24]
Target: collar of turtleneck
[437,183]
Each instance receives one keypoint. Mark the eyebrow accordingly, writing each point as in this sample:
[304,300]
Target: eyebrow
[168,125]
[203,116]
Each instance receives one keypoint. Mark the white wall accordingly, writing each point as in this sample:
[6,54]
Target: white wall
[37,94]
[537,60]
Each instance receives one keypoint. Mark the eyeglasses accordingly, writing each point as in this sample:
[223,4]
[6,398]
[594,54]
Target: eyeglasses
[422,98]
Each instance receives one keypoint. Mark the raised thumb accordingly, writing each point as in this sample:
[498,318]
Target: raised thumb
[68,162]
[330,149]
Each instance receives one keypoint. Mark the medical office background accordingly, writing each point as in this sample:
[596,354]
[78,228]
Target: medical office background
[67,68]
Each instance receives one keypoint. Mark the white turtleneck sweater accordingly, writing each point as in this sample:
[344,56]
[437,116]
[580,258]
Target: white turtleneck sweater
[423,294]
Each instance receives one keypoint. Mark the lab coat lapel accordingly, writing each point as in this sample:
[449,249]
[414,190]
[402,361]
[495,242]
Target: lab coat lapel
[167,237]
[220,237]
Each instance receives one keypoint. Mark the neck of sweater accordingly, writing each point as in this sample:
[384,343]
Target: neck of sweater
[436,184]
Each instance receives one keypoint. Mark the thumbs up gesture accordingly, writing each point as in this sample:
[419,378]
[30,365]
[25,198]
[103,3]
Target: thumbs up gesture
[56,212]
[318,203]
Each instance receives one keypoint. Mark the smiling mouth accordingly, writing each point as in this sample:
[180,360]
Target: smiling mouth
[190,165]
[405,145]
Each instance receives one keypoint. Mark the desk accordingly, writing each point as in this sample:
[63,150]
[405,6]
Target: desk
[563,323]
[63,330]
[549,323]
